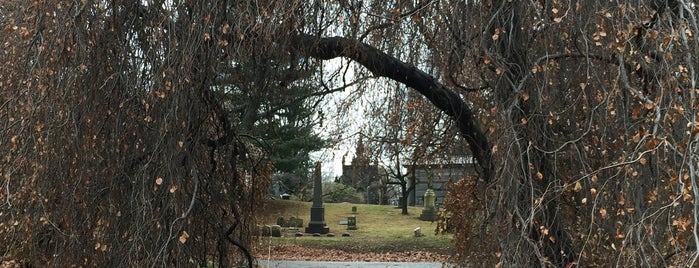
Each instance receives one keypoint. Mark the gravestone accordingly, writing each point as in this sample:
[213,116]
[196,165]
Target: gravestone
[354,209]
[417,232]
[266,230]
[317,223]
[294,222]
[429,213]
[352,222]
[276,231]
[281,221]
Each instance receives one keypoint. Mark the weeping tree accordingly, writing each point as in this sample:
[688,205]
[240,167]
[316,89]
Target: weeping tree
[128,132]
[124,149]
[588,109]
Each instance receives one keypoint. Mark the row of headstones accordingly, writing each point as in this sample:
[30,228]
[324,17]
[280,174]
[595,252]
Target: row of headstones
[292,222]
[270,230]
[344,234]
[276,231]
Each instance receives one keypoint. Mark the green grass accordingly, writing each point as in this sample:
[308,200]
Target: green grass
[380,228]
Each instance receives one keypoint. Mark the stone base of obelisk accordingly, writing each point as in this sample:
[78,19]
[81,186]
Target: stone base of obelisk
[317,223]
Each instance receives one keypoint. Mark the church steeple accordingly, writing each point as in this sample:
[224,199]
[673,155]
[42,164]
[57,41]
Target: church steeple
[360,154]
[362,172]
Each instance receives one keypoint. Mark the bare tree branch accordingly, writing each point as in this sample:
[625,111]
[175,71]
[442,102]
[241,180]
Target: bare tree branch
[382,64]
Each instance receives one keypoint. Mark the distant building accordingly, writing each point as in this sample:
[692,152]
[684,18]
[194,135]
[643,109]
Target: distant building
[440,172]
[370,180]
[365,176]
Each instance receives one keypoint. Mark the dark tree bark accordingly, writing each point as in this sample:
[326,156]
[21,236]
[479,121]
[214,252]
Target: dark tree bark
[382,64]
[404,190]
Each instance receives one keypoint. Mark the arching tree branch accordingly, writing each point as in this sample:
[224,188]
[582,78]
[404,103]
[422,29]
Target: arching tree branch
[382,64]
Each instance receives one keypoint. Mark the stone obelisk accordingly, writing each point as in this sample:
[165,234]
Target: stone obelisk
[317,223]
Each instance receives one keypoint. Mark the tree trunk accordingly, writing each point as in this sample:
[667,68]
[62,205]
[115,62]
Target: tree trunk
[404,196]
[550,242]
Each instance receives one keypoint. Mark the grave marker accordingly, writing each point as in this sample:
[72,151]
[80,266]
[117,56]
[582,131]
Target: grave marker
[317,223]
[352,222]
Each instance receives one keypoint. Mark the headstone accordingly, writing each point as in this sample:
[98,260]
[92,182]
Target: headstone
[266,230]
[352,222]
[281,221]
[299,223]
[286,196]
[276,231]
[354,209]
[430,198]
[345,234]
[298,234]
[316,234]
[429,213]
[317,223]
[417,232]
[291,222]
[330,235]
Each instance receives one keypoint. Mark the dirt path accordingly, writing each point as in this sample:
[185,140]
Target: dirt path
[308,264]
[293,252]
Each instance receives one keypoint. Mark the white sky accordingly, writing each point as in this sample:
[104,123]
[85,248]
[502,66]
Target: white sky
[341,122]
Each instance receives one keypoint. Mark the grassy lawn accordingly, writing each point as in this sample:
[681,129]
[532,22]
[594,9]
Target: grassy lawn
[380,228]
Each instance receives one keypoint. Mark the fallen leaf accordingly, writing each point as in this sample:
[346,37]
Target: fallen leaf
[183,237]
